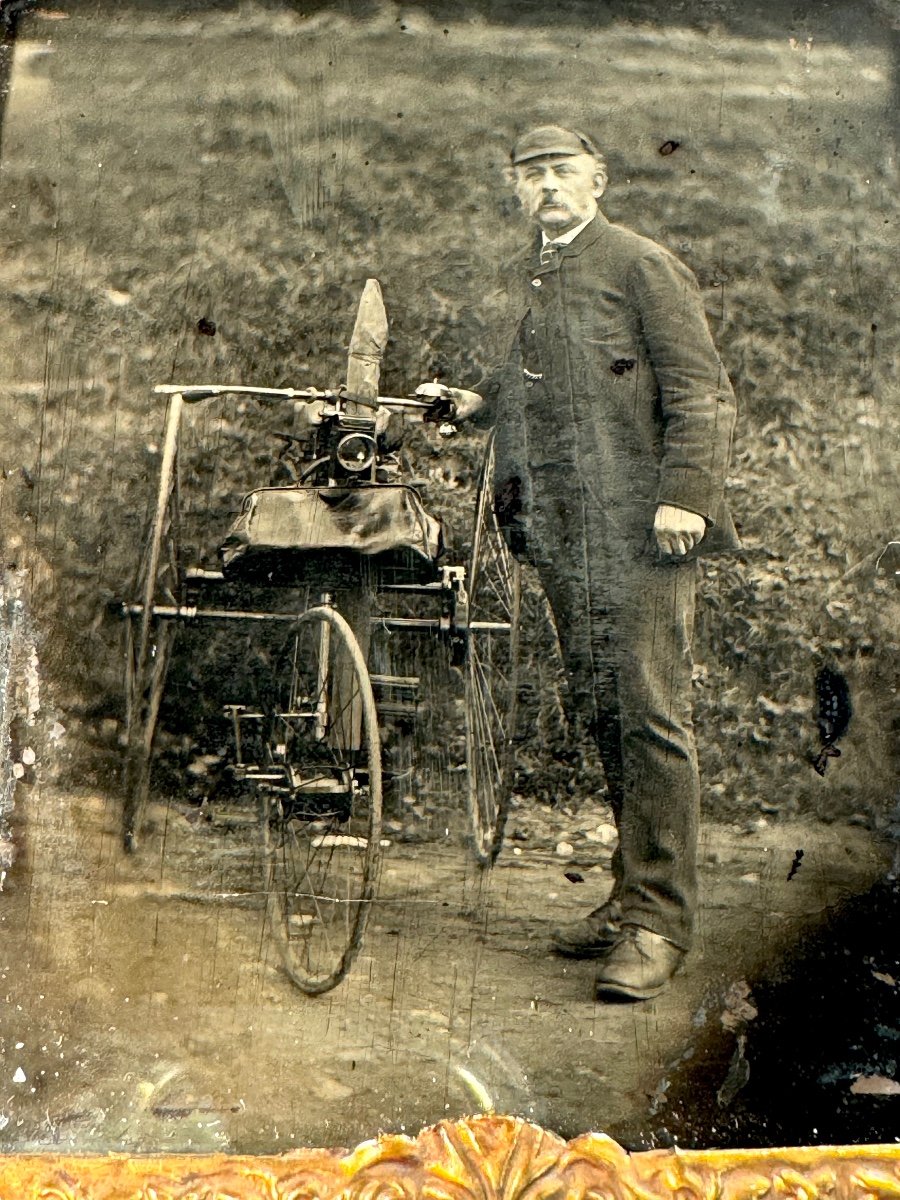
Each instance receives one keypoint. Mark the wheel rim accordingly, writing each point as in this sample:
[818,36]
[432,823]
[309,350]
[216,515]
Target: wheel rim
[491,672]
[148,647]
[144,691]
[321,820]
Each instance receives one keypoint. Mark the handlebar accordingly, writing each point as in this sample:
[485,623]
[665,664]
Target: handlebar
[194,393]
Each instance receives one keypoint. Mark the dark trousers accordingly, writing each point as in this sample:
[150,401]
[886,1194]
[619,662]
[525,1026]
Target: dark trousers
[625,626]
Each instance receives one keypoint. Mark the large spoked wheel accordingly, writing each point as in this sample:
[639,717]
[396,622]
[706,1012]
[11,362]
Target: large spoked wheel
[491,670]
[149,640]
[318,764]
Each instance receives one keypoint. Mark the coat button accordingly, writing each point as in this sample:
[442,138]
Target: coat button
[535,283]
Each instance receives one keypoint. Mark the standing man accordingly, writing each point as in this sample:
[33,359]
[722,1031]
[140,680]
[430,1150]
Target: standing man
[614,419]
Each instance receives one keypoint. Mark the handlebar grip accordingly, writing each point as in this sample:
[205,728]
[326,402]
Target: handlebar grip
[194,395]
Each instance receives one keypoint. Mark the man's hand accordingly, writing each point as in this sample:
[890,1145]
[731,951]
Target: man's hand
[677,530]
[464,403]
[311,412]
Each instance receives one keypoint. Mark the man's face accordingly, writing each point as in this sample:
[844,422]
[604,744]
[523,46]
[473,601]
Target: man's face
[560,191]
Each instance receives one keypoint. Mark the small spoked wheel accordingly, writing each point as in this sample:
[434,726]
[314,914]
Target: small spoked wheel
[318,766]
[491,671]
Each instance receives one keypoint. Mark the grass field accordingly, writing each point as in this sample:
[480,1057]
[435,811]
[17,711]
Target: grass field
[253,167]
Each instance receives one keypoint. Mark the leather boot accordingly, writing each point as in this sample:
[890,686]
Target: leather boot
[638,966]
[592,936]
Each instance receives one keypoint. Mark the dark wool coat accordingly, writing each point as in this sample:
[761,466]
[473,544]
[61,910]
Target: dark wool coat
[612,401]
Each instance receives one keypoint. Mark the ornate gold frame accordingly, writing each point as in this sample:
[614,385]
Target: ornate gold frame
[484,1157]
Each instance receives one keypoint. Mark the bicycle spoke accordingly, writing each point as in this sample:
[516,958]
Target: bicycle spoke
[488,691]
[331,819]
[486,742]
[491,671]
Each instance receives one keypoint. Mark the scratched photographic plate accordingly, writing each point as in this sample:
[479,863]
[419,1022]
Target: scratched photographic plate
[197,193]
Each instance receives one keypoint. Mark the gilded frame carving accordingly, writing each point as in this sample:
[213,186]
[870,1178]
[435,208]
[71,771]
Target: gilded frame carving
[487,1157]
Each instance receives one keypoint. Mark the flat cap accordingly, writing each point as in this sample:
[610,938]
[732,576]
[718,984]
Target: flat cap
[548,140]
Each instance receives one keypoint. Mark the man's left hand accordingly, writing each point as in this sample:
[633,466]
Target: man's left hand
[677,530]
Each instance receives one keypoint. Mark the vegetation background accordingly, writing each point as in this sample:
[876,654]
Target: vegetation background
[251,164]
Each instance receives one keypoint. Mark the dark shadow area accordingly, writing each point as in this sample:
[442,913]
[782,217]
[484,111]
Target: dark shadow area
[817,1064]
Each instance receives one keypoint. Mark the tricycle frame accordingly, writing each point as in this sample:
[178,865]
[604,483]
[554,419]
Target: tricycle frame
[477,617]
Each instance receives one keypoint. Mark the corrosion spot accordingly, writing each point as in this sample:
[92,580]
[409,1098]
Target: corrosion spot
[621,365]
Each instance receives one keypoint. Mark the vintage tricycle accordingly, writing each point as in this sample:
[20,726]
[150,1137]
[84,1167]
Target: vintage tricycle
[302,578]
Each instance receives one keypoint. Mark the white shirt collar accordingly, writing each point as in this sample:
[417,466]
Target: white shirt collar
[565,238]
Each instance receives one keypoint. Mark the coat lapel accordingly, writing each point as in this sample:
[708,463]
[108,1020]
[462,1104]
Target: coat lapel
[588,237]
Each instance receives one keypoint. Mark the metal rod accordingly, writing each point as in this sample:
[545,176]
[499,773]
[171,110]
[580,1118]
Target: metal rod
[192,393]
[206,391]
[418,589]
[405,623]
[188,612]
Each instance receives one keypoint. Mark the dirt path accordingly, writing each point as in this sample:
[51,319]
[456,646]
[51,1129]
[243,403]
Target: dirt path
[145,1007]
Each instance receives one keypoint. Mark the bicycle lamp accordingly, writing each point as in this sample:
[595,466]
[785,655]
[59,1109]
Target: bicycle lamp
[356,452]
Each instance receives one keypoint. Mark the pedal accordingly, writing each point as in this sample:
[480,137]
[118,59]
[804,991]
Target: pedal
[397,708]
[202,575]
[398,681]
[396,695]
